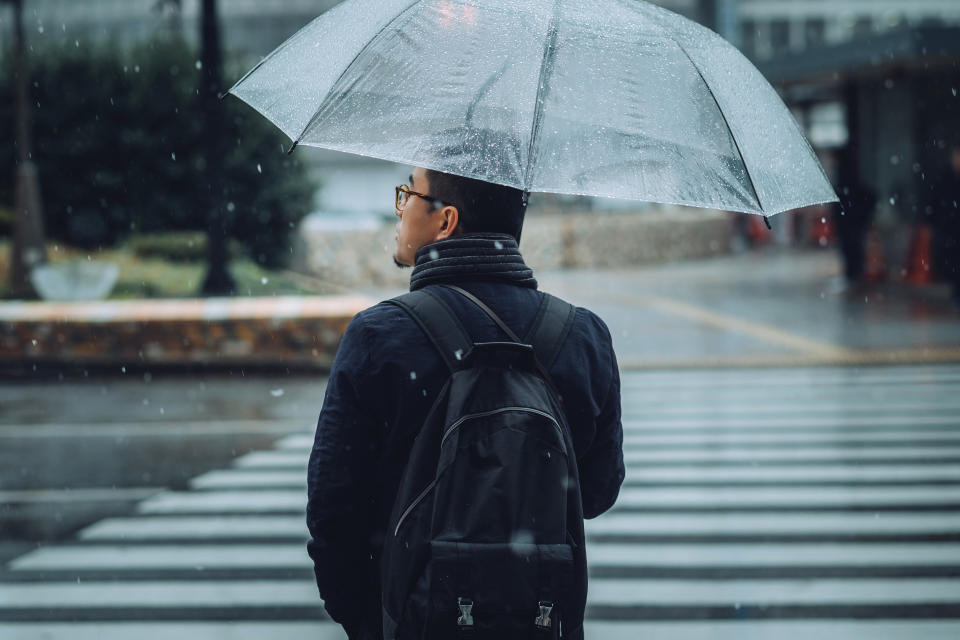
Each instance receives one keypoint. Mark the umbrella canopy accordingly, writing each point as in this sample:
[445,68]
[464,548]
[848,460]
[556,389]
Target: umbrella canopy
[611,98]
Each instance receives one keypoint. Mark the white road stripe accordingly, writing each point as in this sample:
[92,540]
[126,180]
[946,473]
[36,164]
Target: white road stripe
[196,527]
[250,593]
[766,554]
[774,437]
[776,523]
[789,437]
[302,441]
[107,494]
[192,593]
[769,592]
[672,630]
[829,406]
[785,379]
[241,479]
[165,556]
[273,458]
[758,454]
[294,556]
[838,473]
[795,421]
[212,501]
[784,496]
[274,629]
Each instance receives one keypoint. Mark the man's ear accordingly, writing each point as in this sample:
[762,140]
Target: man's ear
[451,219]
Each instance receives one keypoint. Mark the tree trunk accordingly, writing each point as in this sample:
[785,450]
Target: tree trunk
[28,238]
[218,280]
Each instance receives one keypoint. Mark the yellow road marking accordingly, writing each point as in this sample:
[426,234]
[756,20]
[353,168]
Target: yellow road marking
[755,330]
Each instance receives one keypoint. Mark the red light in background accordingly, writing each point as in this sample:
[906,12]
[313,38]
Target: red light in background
[453,12]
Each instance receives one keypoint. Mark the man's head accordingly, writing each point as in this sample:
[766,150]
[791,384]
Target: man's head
[453,205]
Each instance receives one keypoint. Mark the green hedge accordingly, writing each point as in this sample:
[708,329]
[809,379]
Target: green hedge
[118,144]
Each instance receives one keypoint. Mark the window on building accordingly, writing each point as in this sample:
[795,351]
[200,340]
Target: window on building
[814,31]
[779,35]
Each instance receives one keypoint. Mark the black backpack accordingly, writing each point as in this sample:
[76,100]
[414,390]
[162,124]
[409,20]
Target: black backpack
[486,535]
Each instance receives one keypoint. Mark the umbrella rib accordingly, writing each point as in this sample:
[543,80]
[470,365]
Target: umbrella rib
[313,119]
[546,66]
[726,123]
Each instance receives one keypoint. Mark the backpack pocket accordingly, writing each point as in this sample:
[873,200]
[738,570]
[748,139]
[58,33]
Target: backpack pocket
[506,591]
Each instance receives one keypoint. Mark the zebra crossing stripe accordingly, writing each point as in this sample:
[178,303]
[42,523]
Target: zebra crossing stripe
[293,556]
[241,479]
[640,422]
[785,379]
[103,630]
[794,496]
[201,528]
[777,523]
[662,592]
[213,501]
[633,630]
[223,528]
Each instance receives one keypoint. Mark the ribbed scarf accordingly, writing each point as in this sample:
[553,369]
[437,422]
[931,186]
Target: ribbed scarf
[471,256]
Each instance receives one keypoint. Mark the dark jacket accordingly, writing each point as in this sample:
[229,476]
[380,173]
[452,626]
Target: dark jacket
[384,380]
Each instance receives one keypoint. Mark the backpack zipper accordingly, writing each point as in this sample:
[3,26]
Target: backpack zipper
[456,425]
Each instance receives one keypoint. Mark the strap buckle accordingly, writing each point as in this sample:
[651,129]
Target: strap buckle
[465,621]
[543,621]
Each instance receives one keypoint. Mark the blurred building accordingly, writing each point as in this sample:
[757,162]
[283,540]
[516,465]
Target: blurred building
[867,79]
[874,84]
[250,30]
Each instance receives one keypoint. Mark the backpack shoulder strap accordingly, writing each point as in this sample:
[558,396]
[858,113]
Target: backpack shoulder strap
[550,328]
[440,323]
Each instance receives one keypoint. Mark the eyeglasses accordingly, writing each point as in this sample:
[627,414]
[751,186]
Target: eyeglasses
[403,193]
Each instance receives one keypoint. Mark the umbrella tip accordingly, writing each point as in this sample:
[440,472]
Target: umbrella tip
[293,146]
[766,221]
[223,95]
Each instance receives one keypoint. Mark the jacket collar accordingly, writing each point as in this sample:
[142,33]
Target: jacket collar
[492,257]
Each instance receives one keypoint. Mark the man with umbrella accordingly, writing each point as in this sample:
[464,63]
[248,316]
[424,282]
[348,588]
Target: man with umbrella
[604,98]
[387,375]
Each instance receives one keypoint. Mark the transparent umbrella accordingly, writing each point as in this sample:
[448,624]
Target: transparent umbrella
[612,98]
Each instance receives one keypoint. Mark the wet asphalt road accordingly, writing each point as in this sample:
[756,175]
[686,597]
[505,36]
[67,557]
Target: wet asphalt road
[82,451]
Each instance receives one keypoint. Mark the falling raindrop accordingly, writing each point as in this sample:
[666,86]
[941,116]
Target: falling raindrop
[458,354]
[259,168]
[497,244]
[264,280]
[434,254]
[413,374]
[276,393]
[173,156]
[198,65]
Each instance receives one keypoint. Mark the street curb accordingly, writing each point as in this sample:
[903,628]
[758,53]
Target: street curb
[275,332]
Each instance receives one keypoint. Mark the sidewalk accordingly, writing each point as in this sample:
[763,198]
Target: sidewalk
[767,308]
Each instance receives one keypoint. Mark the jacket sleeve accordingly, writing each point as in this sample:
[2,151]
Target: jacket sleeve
[339,477]
[601,467]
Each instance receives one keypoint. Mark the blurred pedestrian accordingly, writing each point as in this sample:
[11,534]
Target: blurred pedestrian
[852,220]
[387,375]
[945,220]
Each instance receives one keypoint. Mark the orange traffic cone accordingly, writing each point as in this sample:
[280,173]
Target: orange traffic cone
[876,268]
[920,256]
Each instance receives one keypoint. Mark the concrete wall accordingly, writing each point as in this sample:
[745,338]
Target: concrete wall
[363,258]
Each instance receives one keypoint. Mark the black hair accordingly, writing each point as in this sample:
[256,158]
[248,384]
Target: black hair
[483,206]
[477,151]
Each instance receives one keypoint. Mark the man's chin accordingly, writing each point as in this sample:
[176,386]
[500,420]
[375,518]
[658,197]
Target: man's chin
[399,264]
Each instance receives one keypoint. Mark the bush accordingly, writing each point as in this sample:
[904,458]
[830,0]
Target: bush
[118,143]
